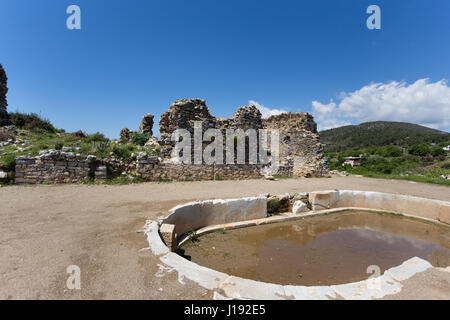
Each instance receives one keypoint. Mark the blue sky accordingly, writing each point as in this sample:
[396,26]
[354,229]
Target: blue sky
[138,56]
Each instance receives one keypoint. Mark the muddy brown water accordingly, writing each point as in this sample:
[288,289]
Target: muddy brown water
[321,250]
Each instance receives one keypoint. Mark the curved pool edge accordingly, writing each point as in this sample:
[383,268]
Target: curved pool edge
[289,217]
[226,286]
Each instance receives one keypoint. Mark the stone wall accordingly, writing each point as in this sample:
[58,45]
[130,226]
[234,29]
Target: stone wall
[300,144]
[181,115]
[146,125]
[3,92]
[155,170]
[65,167]
[53,167]
[301,152]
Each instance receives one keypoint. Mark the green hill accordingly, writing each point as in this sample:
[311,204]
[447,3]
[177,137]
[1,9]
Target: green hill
[379,133]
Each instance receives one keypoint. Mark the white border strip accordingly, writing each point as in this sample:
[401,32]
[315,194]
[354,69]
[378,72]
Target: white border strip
[231,287]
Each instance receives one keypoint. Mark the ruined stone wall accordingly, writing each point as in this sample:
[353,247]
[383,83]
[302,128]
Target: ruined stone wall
[154,170]
[181,115]
[3,92]
[65,167]
[57,168]
[300,144]
[182,172]
[301,152]
[146,125]
[60,167]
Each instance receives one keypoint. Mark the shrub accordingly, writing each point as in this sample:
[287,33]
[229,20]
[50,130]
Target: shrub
[436,172]
[420,150]
[102,149]
[32,122]
[4,122]
[352,153]
[373,164]
[389,151]
[95,137]
[437,151]
[273,206]
[42,145]
[139,138]
[123,151]
[8,162]
[59,145]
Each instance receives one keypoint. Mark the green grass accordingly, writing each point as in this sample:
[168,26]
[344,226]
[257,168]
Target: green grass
[193,236]
[94,144]
[415,178]
[273,206]
[8,162]
[32,122]
[139,138]
[387,163]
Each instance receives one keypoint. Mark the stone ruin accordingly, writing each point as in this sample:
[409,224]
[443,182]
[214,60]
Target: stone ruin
[147,124]
[300,145]
[146,127]
[125,134]
[3,92]
[301,152]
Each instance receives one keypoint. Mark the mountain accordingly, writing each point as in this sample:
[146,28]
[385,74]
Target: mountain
[379,133]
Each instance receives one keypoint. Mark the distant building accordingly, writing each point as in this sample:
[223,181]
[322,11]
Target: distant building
[447,148]
[353,161]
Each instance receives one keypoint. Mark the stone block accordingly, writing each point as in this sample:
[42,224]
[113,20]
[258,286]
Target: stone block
[24,181]
[444,214]
[299,207]
[323,200]
[245,209]
[169,236]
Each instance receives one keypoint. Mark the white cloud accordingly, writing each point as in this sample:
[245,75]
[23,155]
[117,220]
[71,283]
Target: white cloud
[266,112]
[325,116]
[422,102]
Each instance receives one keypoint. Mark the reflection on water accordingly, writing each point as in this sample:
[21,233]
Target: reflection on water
[323,250]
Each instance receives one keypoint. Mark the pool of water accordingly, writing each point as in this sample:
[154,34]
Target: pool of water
[321,250]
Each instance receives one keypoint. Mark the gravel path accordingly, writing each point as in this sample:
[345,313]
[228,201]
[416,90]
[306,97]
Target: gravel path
[44,229]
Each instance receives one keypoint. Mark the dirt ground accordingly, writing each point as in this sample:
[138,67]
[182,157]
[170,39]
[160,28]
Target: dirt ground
[45,229]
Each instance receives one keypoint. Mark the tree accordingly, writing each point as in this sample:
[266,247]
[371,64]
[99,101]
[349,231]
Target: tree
[437,151]
[420,150]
